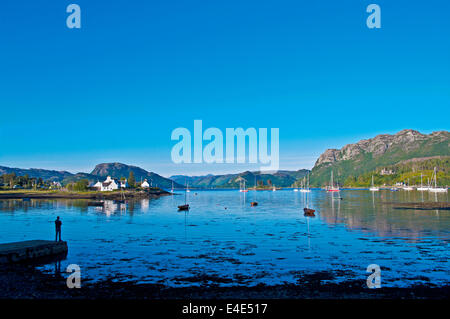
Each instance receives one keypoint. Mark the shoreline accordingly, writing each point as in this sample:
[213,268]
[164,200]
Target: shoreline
[26,282]
[83,195]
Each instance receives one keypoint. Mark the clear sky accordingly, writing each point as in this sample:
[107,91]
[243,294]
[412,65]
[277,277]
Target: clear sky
[116,88]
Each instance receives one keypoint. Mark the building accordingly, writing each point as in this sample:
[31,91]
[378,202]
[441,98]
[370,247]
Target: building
[55,185]
[97,185]
[109,185]
[123,184]
[385,171]
[145,184]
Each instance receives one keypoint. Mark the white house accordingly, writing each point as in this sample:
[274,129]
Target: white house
[109,185]
[98,185]
[123,184]
[145,184]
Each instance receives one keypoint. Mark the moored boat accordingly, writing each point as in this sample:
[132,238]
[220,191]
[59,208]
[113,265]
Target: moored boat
[437,189]
[309,212]
[373,188]
[333,188]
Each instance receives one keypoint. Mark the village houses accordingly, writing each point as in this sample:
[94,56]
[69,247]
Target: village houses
[110,184]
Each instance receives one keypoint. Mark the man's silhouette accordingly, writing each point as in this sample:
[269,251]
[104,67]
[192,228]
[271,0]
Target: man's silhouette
[58,224]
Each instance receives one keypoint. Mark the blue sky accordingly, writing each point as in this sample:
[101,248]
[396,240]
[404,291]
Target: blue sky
[116,88]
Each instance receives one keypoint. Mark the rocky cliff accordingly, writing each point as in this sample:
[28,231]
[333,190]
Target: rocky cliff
[373,153]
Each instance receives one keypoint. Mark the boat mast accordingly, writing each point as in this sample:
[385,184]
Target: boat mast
[435,177]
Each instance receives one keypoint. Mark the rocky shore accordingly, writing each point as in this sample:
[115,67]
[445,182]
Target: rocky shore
[25,282]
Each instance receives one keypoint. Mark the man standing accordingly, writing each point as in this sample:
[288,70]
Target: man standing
[58,224]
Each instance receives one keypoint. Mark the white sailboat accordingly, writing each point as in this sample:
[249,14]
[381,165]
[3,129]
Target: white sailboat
[374,188]
[436,189]
[306,189]
[407,187]
[332,188]
[187,188]
[242,190]
[422,188]
[296,187]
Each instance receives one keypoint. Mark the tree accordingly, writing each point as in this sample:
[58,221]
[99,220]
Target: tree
[81,185]
[131,180]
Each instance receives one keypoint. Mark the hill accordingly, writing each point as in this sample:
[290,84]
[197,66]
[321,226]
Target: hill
[100,172]
[118,170]
[279,179]
[382,151]
[49,175]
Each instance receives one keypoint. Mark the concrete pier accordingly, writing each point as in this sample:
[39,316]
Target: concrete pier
[31,250]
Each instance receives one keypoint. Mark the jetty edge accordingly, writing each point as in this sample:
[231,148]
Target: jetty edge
[31,250]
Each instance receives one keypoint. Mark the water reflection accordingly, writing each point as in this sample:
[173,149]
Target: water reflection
[380,218]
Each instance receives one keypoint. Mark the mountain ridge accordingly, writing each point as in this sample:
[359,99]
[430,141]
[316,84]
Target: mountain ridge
[382,150]
[100,172]
[282,178]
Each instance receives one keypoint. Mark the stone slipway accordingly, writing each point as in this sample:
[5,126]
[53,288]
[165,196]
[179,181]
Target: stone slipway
[31,250]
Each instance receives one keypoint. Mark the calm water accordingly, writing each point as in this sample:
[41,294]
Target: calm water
[223,237]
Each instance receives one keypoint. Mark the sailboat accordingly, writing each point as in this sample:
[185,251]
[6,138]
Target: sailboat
[274,188]
[374,188]
[122,199]
[186,205]
[407,187]
[187,188]
[306,189]
[295,188]
[422,188]
[308,212]
[332,188]
[172,188]
[242,190]
[436,189]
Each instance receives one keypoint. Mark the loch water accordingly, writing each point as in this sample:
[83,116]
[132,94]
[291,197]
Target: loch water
[224,241]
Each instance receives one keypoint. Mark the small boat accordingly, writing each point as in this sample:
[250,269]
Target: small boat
[393,189]
[374,188]
[436,189]
[309,212]
[183,207]
[242,190]
[253,204]
[187,188]
[172,188]
[122,199]
[332,188]
[26,199]
[407,187]
[422,188]
[306,189]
